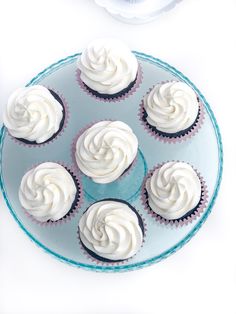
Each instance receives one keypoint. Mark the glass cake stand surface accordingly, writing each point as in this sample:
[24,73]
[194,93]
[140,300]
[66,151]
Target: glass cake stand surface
[203,151]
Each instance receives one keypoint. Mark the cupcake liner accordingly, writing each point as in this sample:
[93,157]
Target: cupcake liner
[165,138]
[55,137]
[73,150]
[76,205]
[180,221]
[103,263]
[132,90]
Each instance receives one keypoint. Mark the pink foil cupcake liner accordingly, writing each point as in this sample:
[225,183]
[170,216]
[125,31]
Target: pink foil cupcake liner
[172,140]
[103,263]
[73,150]
[176,222]
[65,123]
[132,90]
[73,211]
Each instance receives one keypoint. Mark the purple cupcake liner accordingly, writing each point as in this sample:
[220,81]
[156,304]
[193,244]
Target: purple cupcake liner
[73,211]
[65,123]
[172,140]
[132,90]
[176,222]
[73,150]
[103,263]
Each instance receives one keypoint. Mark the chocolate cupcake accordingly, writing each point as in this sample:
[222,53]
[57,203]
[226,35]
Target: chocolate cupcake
[111,230]
[107,68]
[171,110]
[175,193]
[49,192]
[34,115]
[106,150]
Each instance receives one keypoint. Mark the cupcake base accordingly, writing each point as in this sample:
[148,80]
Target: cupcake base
[105,260]
[186,219]
[74,207]
[172,137]
[189,213]
[57,97]
[62,127]
[112,96]
[129,90]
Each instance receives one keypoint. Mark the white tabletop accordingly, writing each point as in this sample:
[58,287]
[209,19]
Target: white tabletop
[198,38]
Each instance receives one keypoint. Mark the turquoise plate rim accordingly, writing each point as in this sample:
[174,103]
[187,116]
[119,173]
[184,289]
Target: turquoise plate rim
[55,66]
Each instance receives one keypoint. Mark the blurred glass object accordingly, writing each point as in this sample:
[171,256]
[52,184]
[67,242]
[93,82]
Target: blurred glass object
[137,11]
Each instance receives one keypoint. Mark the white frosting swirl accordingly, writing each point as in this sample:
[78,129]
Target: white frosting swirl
[32,113]
[111,230]
[171,107]
[106,150]
[107,66]
[47,192]
[173,190]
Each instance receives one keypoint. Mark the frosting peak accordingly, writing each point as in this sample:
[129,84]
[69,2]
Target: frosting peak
[33,114]
[111,230]
[47,192]
[107,66]
[171,107]
[106,150]
[173,190]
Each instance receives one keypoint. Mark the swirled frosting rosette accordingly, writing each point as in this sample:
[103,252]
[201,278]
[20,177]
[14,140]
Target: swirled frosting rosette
[171,111]
[174,193]
[50,192]
[106,150]
[111,230]
[34,115]
[107,68]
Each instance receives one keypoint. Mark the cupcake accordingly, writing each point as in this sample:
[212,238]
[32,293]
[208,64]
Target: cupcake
[34,115]
[49,192]
[171,109]
[107,68]
[106,150]
[174,191]
[111,230]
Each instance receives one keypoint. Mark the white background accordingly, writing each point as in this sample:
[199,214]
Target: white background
[198,38]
